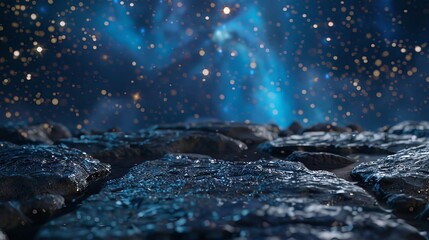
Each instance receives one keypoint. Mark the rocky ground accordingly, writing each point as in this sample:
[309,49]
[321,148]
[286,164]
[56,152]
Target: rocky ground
[215,181]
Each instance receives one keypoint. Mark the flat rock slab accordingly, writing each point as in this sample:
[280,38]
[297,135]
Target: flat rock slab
[401,179]
[342,143]
[154,144]
[196,197]
[420,129]
[43,133]
[36,179]
[320,160]
[247,133]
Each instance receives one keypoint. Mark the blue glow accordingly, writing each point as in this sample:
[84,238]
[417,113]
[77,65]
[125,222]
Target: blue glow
[255,97]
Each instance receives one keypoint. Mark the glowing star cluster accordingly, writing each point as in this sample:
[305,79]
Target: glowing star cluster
[128,64]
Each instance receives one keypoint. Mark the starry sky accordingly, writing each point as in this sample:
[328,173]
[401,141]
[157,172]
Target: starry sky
[129,64]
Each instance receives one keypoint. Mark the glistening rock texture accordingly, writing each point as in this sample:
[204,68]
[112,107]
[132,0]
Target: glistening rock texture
[320,160]
[342,143]
[402,179]
[420,129]
[247,133]
[155,143]
[35,180]
[196,197]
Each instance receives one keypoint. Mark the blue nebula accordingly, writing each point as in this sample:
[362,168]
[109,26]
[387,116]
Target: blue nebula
[257,95]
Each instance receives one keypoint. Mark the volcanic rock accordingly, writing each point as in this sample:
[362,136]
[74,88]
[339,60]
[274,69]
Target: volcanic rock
[35,180]
[294,128]
[187,197]
[341,143]
[247,133]
[154,144]
[44,133]
[420,129]
[320,160]
[402,179]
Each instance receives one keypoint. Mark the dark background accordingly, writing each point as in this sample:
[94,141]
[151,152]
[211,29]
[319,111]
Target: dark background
[130,64]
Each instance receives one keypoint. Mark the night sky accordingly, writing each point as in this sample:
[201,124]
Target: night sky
[131,64]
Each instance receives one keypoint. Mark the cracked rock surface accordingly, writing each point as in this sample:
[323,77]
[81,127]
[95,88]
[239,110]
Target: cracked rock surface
[320,160]
[342,143]
[248,133]
[155,143]
[420,129]
[197,197]
[35,180]
[401,179]
[217,181]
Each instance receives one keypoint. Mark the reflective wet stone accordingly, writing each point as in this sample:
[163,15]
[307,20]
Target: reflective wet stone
[44,133]
[35,180]
[420,129]
[108,146]
[155,143]
[188,197]
[342,143]
[402,179]
[320,160]
[247,133]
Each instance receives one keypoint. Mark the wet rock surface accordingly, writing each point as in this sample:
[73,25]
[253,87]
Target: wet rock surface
[420,129]
[402,179]
[155,143]
[320,160]
[35,180]
[247,133]
[44,133]
[342,143]
[192,197]
[216,181]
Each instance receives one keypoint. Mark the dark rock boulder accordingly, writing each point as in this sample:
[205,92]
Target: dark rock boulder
[108,146]
[341,143]
[420,129]
[354,127]
[320,160]
[245,132]
[44,133]
[161,142]
[35,180]
[326,127]
[154,144]
[402,179]
[188,197]
[294,128]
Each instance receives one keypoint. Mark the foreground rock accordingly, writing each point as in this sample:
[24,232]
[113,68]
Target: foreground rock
[154,144]
[2,236]
[35,180]
[420,129]
[401,179]
[196,197]
[44,133]
[247,133]
[320,160]
[342,143]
